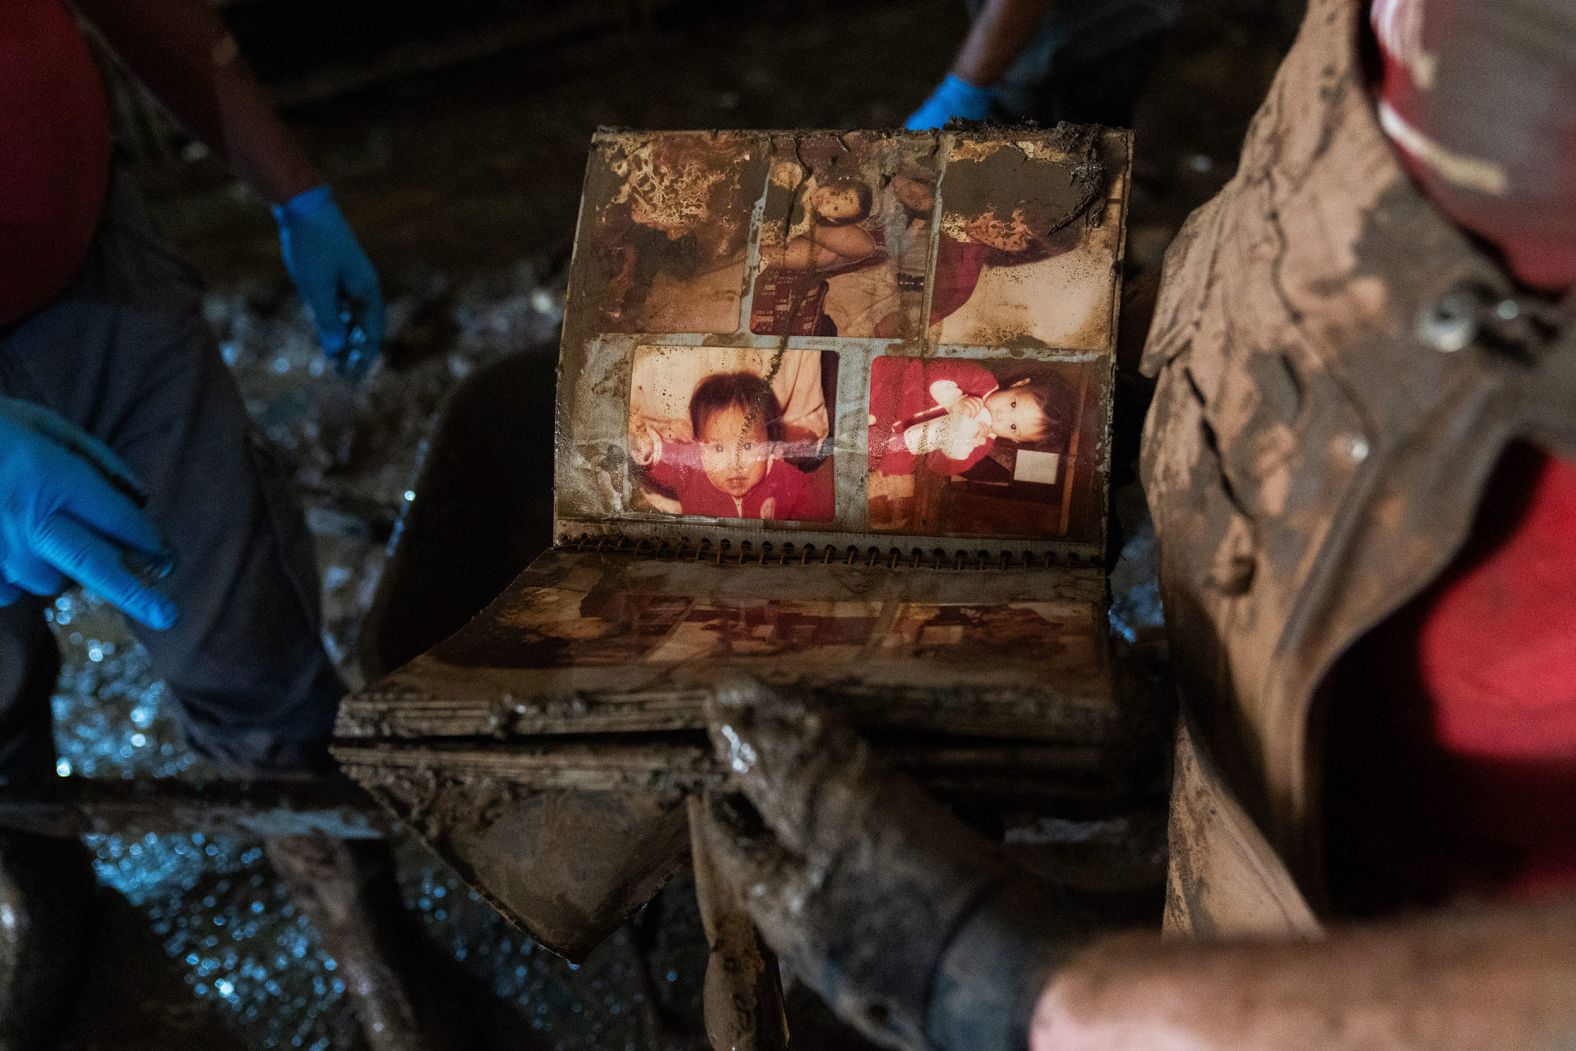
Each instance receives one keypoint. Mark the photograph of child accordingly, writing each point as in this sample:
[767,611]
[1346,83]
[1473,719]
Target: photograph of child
[733,454]
[996,448]
[1017,263]
[665,230]
[845,238]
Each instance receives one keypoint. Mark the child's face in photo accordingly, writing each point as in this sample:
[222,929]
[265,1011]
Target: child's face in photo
[835,204]
[1015,415]
[1006,235]
[734,450]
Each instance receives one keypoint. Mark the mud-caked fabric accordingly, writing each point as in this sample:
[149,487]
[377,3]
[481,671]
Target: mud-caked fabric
[1087,63]
[125,353]
[1339,371]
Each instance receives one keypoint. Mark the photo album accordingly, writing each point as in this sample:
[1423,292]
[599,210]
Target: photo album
[834,409]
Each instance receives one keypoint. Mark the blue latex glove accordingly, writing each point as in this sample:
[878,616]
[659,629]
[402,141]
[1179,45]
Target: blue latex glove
[955,97]
[335,277]
[70,510]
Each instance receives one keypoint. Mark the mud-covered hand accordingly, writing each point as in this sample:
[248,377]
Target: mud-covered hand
[69,511]
[913,927]
[954,98]
[334,277]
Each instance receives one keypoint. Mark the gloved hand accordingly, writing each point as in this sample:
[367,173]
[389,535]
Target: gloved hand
[953,98]
[69,510]
[914,928]
[335,277]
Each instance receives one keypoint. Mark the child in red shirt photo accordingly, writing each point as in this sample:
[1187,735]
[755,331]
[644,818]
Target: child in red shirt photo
[736,467]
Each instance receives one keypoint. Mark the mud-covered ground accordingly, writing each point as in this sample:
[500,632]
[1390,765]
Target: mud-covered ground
[464,186]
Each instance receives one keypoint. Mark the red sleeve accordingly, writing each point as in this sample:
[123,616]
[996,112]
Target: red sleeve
[677,459]
[897,392]
[971,377]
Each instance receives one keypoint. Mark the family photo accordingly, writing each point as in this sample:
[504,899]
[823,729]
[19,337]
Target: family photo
[845,237]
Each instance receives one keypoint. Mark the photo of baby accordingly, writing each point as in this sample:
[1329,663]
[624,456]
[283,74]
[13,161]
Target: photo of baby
[845,238]
[1018,262]
[997,448]
[665,230]
[754,438]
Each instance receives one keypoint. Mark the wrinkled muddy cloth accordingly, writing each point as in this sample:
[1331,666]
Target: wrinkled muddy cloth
[1088,64]
[1340,370]
[916,929]
[124,352]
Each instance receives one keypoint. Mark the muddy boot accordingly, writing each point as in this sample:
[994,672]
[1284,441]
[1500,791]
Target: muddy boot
[46,888]
[348,891]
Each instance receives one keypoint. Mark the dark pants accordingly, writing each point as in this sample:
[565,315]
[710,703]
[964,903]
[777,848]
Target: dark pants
[1089,63]
[125,353]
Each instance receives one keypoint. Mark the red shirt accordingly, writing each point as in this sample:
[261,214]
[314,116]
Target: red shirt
[54,153]
[797,496]
[900,395]
[1453,725]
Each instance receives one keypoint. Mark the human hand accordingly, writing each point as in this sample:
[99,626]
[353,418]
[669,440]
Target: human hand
[968,405]
[953,99]
[334,277]
[69,511]
[645,445]
[913,927]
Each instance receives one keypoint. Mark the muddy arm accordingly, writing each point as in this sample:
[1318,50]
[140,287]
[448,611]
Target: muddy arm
[996,39]
[914,928]
[1444,982]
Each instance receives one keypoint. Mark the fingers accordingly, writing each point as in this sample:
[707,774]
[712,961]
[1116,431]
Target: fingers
[85,446]
[361,287]
[322,298]
[84,496]
[810,776]
[24,573]
[119,576]
[748,858]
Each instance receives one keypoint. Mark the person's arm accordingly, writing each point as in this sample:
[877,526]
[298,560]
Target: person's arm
[667,462]
[996,39]
[188,59]
[1450,980]
[924,935]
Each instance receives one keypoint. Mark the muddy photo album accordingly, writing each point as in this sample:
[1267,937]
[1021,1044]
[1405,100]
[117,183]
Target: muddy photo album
[833,408]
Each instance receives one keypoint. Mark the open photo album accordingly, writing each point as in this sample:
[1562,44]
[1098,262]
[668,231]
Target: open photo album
[834,408]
